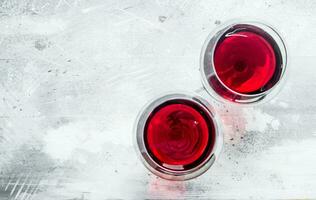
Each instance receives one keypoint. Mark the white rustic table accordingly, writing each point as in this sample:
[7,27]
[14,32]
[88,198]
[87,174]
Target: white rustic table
[75,73]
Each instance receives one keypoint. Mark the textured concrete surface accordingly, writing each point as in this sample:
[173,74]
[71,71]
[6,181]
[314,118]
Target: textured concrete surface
[75,73]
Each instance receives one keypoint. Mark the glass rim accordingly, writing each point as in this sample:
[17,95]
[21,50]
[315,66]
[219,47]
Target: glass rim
[211,43]
[160,170]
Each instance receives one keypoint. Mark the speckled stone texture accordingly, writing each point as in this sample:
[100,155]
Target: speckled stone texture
[75,73]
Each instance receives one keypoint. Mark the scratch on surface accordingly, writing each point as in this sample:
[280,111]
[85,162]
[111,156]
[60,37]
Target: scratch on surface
[30,195]
[136,74]
[26,190]
[93,8]
[44,6]
[62,2]
[9,182]
[110,7]
[21,187]
[16,183]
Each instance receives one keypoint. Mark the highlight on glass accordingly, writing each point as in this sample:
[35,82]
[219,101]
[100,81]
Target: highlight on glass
[178,136]
[243,62]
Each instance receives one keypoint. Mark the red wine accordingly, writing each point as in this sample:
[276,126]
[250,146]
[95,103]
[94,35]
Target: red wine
[179,134]
[244,61]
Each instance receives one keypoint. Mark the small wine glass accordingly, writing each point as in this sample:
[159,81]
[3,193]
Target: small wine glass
[243,62]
